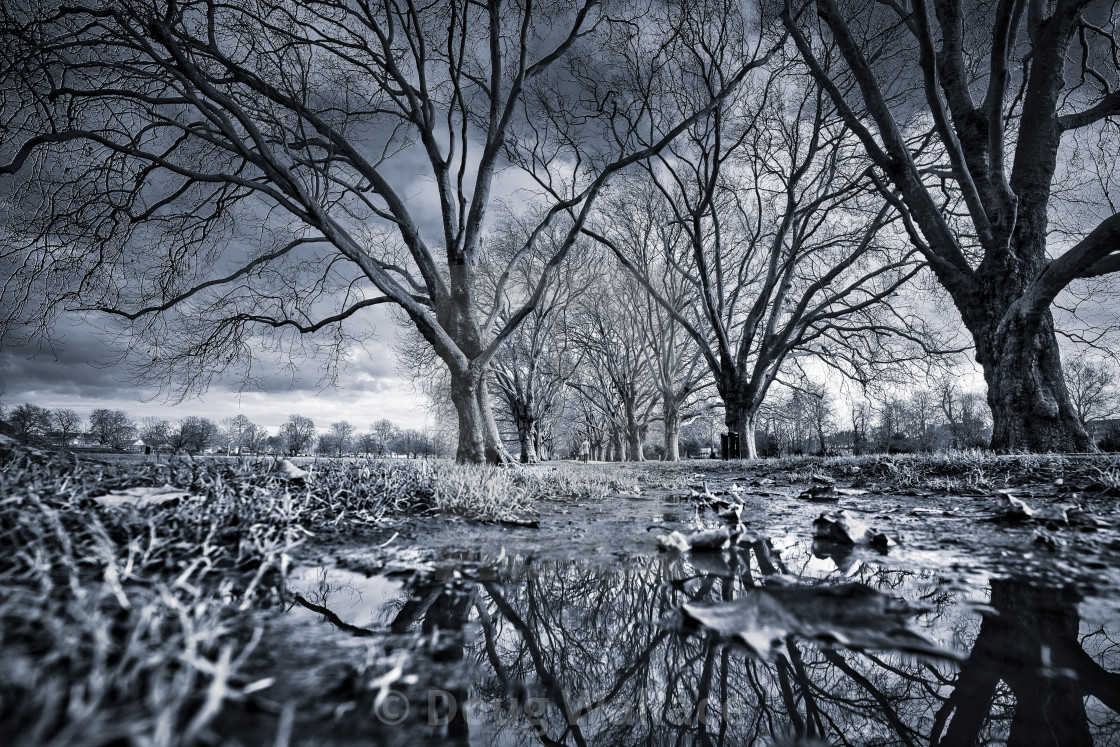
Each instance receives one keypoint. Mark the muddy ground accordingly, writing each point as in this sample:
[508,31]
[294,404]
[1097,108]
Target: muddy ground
[956,618]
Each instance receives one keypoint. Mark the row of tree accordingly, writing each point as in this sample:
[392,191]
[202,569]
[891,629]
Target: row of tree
[780,180]
[238,435]
[601,359]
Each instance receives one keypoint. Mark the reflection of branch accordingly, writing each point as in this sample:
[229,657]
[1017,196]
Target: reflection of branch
[624,675]
[334,619]
[496,662]
[552,686]
[812,712]
[904,732]
[1097,681]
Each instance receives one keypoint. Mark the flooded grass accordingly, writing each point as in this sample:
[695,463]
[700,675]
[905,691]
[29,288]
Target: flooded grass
[223,610]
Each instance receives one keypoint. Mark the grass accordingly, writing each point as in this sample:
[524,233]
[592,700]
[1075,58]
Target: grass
[129,625]
[974,469]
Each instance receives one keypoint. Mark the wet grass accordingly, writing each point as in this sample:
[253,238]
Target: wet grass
[972,470]
[122,625]
[126,624]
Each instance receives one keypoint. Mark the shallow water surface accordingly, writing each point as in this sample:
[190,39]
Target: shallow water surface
[771,640]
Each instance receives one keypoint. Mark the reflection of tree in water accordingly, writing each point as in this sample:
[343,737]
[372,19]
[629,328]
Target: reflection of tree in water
[1031,651]
[584,653]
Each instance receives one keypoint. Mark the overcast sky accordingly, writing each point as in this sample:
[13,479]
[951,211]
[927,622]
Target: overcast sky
[371,389]
[70,376]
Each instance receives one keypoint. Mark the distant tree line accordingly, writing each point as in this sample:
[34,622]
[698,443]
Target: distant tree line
[116,430]
[802,416]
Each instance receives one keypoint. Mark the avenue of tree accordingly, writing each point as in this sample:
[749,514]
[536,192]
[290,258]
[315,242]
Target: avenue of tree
[594,220]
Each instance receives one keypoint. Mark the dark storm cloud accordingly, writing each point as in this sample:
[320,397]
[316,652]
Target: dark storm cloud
[78,365]
[78,373]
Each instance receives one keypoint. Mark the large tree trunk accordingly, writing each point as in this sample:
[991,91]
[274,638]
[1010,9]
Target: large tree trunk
[1031,406]
[538,443]
[749,443]
[495,450]
[525,431]
[617,447]
[672,435]
[634,450]
[740,419]
[479,442]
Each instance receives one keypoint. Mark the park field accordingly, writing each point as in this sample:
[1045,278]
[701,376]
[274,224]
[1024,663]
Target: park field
[179,601]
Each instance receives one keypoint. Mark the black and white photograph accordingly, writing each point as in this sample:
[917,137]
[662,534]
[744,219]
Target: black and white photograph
[559,373]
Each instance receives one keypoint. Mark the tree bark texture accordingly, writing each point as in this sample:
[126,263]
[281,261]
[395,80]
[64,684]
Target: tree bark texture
[479,441]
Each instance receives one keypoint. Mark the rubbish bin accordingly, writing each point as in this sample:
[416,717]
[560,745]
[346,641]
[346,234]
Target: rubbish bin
[729,446]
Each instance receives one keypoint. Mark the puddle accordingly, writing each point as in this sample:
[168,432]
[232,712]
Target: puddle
[512,649]
[356,599]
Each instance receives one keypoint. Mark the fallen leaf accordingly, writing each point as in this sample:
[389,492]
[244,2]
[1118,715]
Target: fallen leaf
[821,494]
[843,528]
[145,496]
[732,513]
[673,542]
[1012,508]
[709,540]
[291,471]
[1056,512]
[852,615]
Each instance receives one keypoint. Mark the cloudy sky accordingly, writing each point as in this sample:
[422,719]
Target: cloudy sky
[73,375]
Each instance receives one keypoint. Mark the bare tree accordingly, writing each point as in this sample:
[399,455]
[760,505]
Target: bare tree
[796,419]
[343,434]
[860,416]
[151,136]
[234,433]
[965,416]
[30,419]
[532,368]
[67,424]
[965,109]
[614,373]
[298,433]
[253,438]
[1093,389]
[588,419]
[890,434]
[193,434]
[113,428]
[818,405]
[154,431]
[922,413]
[382,432]
[676,367]
[775,226]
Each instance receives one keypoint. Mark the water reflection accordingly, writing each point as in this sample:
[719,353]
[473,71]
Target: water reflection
[559,653]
